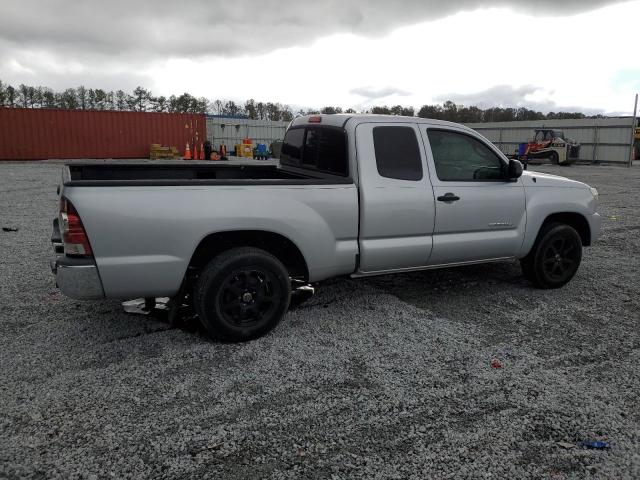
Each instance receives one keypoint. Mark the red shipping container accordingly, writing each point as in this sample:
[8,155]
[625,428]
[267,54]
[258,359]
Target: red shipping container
[36,134]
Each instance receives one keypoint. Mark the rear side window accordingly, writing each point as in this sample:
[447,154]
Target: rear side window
[397,153]
[316,148]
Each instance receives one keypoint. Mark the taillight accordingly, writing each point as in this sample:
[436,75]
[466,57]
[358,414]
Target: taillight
[74,237]
[315,119]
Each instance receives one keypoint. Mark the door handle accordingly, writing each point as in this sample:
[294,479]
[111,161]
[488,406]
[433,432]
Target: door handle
[448,198]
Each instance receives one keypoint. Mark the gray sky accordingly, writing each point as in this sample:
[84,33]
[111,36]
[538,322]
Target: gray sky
[201,45]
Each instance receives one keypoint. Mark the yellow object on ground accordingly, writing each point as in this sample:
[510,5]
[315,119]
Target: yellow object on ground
[244,150]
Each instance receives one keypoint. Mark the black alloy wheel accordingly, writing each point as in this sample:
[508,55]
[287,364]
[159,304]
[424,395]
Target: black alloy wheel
[248,296]
[555,256]
[561,256]
[242,294]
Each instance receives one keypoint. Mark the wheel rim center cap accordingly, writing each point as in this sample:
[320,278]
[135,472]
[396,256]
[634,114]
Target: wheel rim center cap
[247,297]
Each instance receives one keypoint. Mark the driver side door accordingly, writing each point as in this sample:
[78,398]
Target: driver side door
[480,214]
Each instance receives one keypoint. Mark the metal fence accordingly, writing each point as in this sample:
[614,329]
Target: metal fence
[231,131]
[604,140]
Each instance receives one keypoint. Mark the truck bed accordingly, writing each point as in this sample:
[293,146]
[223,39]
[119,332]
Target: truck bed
[145,220]
[189,173]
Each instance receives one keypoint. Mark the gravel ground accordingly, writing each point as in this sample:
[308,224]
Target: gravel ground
[382,378]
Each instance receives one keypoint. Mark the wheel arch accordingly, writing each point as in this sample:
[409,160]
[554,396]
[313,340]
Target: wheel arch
[276,244]
[573,219]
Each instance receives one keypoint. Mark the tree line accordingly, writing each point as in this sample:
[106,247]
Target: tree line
[461,114]
[142,100]
[139,100]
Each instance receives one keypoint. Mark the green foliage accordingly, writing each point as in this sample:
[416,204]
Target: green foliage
[460,114]
[381,111]
[331,110]
[140,100]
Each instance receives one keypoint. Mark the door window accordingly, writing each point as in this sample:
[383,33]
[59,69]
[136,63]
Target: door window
[462,158]
[397,153]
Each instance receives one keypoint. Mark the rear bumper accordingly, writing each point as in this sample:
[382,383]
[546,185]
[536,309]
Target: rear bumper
[77,278]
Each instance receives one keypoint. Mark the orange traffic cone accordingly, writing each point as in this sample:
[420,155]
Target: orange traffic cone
[187,152]
[201,157]
[195,151]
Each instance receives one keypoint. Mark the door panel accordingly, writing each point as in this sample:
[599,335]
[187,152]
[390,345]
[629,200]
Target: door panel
[396,216]
[487,222]
[488,218]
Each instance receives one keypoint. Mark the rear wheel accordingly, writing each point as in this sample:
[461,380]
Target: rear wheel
[554,158]
[242,294]
[555,256]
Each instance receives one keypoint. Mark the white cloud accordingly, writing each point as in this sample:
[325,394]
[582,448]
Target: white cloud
[549,61]
[570,61]
[378,94]
[152,28]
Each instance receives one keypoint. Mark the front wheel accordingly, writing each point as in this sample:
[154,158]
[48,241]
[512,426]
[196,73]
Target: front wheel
[242,294]
[555,256]
[554,158]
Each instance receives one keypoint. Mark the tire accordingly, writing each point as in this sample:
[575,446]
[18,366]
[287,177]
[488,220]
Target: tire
[242,294]
[566,163]
[554,258]
[554,158]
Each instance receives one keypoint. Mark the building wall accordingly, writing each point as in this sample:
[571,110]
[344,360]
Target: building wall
[36,134]
[601,139]
[233,130]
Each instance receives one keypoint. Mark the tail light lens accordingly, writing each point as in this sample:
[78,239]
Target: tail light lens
[74,237]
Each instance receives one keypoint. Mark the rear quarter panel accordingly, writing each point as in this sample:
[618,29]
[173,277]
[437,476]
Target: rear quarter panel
[143,237]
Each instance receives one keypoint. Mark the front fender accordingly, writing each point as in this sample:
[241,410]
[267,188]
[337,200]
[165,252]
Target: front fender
[542,202]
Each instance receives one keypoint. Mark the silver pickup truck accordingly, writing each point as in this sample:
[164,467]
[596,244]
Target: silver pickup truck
[354,195]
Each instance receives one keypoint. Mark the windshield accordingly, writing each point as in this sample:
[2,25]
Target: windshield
[544,135]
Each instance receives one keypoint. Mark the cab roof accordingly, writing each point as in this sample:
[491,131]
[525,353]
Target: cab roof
[341,120]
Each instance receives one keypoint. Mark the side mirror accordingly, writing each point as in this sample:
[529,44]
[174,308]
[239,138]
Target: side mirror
[514,170]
